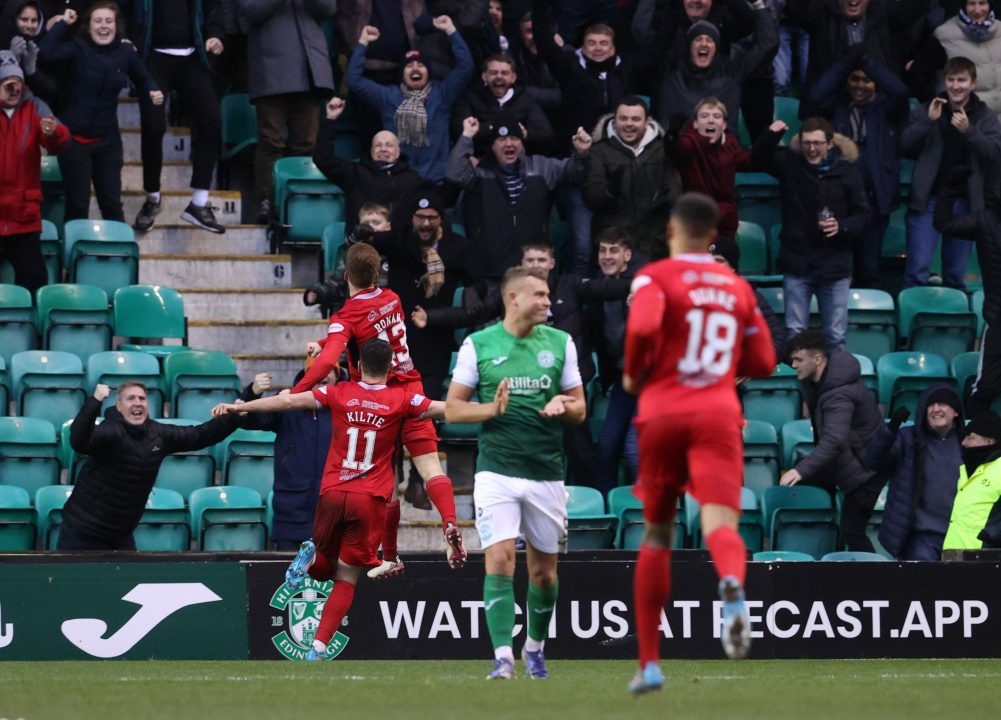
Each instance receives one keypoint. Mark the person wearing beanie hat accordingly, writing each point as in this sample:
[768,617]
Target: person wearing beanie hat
[921,462]
[26,125]
[417,110]
[703,27]
[976,512]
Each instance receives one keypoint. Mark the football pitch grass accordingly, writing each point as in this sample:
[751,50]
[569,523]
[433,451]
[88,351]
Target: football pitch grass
[576,690]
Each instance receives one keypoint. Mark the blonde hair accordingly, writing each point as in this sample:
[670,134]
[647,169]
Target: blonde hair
[710,102]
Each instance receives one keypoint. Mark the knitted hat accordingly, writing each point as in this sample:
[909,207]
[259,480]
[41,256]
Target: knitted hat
[429,199]
[9,66]
[702,27]
[505,128]
[945,396]
[986,424]
[413,56]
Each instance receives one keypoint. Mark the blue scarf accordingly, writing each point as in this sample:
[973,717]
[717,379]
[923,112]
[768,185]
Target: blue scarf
[976,31]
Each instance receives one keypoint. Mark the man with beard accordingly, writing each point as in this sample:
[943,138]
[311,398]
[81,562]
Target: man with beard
[384,177]
[499,95]
[416,110]
[976,512]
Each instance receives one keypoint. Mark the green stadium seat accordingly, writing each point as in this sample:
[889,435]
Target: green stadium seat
[624,505]
[305,199]
[228,519]
[762,456]
[800,518]
[74,318]
[868,371]
[239,131]
[872,323]
[18,520]
[4,388]
[348,145]
[17,322]
[29,453]
[759,202]
[977,306]
[188,471]
[247,459]
[751,528]
[102,253]
[777,399]
[937,319]
[53,195]
[151,311]
[71,460]
[852,556]
[197,380]
[113,367]
[797,442]
[589,527]
[903,376]
[48,384]
[334,248]
[753,249]
[165,525]
[787,110]
[596,413]
[964,368]
[782,556]
[49,502]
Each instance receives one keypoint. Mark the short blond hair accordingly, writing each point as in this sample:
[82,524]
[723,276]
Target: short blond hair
[710,102]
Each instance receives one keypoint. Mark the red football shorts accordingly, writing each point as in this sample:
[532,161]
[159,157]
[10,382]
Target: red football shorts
[699,452]
[419,435]
[349,526]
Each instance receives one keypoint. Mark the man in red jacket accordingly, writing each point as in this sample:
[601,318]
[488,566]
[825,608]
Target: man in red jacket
[25,124]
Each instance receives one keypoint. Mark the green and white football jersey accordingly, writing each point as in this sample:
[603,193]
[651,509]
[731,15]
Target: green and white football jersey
[520,443]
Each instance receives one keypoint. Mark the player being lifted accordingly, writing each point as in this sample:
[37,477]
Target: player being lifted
[358,478]
[519,467]
[693,328]
[372,312]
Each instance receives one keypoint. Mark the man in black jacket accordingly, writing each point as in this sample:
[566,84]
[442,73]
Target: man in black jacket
[384,177]
[845,420]
[124,455]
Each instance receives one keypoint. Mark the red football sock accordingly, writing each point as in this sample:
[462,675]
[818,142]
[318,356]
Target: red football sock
[651,589]
[439,490]
[321,569]
[389,548]
[334,610]
[728,552]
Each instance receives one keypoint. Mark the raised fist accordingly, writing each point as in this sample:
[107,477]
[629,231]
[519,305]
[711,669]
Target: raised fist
[335,107]
[444,23]
[470,126]
[582,142]
[369,33]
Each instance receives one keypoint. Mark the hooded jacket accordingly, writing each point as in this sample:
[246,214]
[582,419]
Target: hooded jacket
[806,190]
[845,419]
[122,465]
[480,103]
[903,456]
[366,181]
[302,441]
[20,163]
[632,188]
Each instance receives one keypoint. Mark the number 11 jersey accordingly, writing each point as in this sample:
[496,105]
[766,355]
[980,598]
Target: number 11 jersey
[693,328]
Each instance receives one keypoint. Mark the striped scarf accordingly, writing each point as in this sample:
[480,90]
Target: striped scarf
[514,183]
[412,117]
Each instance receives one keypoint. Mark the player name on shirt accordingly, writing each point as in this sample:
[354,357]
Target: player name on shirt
[387,322]
[712,296]
[366,418]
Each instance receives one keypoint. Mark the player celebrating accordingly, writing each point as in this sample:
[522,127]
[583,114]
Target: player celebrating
[519,468]
[372,312]
[358,478]
[693,327]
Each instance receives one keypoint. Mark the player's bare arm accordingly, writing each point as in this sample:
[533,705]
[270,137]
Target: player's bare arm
[276,403]
[459,409]
[436,411]
[569,407]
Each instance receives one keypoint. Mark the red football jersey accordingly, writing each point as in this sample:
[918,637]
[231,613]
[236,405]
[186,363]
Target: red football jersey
[377,313]
[694,327]
[366,428]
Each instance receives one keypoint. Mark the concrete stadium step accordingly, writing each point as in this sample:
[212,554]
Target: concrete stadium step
[425,536]
[213,271]
[174,175]
[165,237]
[176,144]
[283,368]
[227,204]
[247,304]
[128,113]
[262,336]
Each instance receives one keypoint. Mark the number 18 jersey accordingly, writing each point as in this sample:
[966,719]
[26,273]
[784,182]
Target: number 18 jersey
[694,327]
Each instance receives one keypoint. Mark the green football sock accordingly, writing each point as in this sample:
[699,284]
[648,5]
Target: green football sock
[498,603]
[541,603]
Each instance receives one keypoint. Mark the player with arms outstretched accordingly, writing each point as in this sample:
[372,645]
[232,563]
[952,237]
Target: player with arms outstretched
[358,478]
[519,467]
[693,328]
[373,312]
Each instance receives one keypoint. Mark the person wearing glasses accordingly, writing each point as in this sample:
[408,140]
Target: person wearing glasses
[823,210]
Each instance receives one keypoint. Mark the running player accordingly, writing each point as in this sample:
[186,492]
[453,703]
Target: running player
[358,478]
[519,467]
[693,328]
[373,312]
